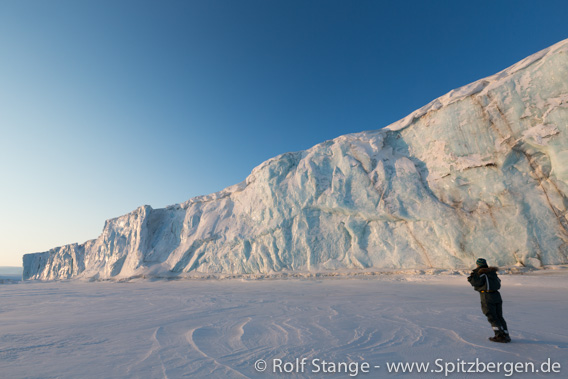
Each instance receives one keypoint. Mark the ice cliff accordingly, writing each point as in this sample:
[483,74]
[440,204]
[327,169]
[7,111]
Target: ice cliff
[480,171]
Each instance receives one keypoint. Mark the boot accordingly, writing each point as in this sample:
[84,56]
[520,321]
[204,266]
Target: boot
[499,337]
[506,335]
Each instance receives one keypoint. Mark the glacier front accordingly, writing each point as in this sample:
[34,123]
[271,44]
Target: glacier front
[480,171]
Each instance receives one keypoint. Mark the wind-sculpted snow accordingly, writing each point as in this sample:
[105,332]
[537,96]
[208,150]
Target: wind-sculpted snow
[220,329]
[481,171]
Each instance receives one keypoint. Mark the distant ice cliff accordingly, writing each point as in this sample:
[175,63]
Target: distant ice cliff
[481,171]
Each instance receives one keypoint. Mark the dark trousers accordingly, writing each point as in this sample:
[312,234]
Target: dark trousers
[492,307]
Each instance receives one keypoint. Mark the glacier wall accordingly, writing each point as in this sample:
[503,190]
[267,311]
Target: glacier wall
[481,171]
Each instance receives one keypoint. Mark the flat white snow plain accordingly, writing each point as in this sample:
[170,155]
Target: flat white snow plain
[220,328]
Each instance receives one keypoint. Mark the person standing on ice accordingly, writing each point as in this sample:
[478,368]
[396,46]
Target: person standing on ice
[484,279]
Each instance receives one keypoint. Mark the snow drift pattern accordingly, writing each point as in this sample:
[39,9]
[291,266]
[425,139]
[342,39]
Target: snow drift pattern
[481,171]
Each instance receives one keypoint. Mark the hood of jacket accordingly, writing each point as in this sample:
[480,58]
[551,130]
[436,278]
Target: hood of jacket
[487,270]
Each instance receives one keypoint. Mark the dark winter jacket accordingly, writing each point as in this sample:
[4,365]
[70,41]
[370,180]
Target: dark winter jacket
[485,279]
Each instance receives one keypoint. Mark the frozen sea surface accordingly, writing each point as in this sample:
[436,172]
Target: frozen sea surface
[219,329]
[10,274]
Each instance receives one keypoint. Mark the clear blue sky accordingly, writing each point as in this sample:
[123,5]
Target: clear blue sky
[109,105]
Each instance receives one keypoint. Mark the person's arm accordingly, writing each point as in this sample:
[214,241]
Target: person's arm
[475,280]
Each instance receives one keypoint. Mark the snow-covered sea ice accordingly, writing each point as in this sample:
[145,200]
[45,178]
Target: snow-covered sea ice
[221,328]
